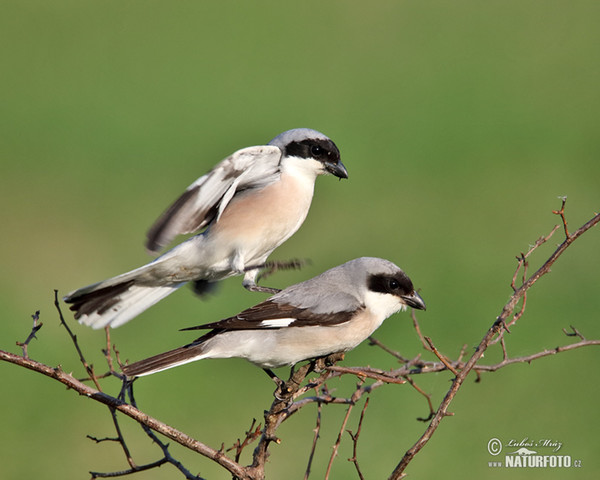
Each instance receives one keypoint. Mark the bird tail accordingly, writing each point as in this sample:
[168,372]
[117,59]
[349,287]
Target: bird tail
[117,300]
[163,361]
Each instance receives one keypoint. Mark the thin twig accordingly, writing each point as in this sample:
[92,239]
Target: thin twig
[354,438]
[128,388]
[561,212]
[442,358]
[107,350]
[494,330]
[251,435]
[336,445]
[374,341]
[127,409]
[573,333]
[413,315]
[317,431]
[132,470]
[427,397]
[88,368]
[366,372]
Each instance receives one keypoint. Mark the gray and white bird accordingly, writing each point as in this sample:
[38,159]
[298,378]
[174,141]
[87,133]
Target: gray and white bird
[248,205]
[330,313]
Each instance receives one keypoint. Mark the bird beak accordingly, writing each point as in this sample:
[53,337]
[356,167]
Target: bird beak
[336,169]
[414,301]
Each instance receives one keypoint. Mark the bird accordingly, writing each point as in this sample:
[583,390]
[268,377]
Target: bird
[242,210]
[330,313]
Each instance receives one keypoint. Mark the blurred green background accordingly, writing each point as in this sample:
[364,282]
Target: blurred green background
[459,122]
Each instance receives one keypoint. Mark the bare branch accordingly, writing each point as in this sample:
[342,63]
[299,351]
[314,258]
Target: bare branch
[366,372]
[128,387]
[88,368]
[336,445]
[317,431]
[427,397]
[413,315]
[354,438]
[251,435]
[129,410]
[494,330]
[393,353]
[442,358]
[132,470]
[561,212]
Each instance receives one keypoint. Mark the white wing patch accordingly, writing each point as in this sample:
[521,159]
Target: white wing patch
[277,322]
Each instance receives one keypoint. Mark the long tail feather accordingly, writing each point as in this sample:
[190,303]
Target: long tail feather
[116,304]
[163,361]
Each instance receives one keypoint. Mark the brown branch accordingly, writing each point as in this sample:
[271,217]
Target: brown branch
[494,330]
[536,356]
[366,372]
[561,212]
[413,315]
[128,387]
[522,264]
[442,358]
[354,438]
[417,366]
[427,397]
[106,351]
[282,408]
[129,410]
[88,368]
[313,448]
[374,341]
[336,445]
[251,435]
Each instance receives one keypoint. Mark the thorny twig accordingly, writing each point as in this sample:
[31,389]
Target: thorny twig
[336,445]
[561,212]
[317,432]
[88,368]
[126,391]
[495,330]
[424,342]
[442,358]
[367,372]
[251,435]
[354,437]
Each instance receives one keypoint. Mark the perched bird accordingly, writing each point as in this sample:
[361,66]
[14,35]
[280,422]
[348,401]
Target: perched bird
[330,313]
[248,205]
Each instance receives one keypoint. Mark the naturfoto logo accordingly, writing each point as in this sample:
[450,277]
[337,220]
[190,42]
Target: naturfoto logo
[528,453]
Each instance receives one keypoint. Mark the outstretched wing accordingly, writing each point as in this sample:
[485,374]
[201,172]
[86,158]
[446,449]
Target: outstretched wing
[206,198]
[271,314]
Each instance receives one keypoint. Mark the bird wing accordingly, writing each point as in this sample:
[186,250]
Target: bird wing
[206,198]
[270,314]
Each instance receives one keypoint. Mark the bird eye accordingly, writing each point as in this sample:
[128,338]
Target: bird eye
[316,150]
[394,285]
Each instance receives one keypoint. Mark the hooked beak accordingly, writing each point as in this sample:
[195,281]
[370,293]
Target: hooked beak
[336,169]
[414,301]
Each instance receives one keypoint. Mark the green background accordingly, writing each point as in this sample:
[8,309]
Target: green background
[460,124]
